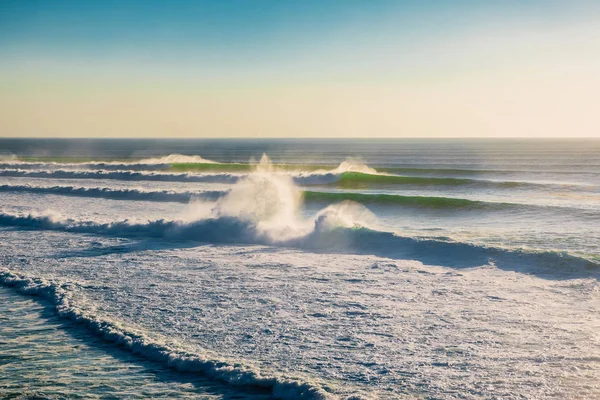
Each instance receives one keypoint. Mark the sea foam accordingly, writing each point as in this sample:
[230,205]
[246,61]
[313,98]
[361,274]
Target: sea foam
[59,296]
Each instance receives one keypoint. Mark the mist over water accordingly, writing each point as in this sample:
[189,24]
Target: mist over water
[323,269]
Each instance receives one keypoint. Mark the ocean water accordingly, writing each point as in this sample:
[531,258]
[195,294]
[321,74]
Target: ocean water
[300,269]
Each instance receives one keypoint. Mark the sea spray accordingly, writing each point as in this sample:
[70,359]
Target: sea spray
[270,202]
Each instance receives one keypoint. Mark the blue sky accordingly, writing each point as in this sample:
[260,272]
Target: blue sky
[255,32]
[66,46]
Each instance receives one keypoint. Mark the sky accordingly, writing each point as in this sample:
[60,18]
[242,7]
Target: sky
[280,68]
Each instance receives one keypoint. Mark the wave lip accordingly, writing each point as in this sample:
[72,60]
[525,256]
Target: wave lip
[138,343]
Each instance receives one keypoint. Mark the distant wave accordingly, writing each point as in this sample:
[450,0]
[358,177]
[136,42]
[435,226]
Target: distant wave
[121,175]
[95,165]
[157,163]
[345,179]
[468,171]
[331,231]
[185,163]
[116,194]
[138,343]
[339,177]
[359,179]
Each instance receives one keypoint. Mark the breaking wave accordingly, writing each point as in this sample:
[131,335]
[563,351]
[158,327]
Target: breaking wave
[339,228]
[232,373]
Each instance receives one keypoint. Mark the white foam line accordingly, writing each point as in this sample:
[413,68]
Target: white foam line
[237,375]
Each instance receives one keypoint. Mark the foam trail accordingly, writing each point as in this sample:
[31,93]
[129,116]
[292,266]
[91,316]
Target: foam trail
[231,373]
[116,194]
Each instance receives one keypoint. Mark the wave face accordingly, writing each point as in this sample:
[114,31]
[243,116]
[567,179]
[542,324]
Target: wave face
[360,180]
[138,343]
[394,199]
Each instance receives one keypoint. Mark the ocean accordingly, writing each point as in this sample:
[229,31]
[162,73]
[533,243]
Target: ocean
[300,269]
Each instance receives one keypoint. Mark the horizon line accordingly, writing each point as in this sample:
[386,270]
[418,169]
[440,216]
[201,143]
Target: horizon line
[302,138]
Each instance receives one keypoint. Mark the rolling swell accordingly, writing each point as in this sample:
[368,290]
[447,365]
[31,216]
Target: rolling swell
[121,175]
[361,180]
[393,199]
[116,194]
[325,236]
[109,166]
[138,343]
[345,180]
[309,196]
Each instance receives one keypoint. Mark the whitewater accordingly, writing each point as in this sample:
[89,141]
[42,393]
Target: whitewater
[259,270]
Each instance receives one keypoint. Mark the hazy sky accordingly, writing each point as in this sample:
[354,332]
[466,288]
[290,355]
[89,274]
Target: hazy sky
[261,68]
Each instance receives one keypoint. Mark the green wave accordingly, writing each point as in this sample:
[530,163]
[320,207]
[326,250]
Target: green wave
[358,180]
[392,199]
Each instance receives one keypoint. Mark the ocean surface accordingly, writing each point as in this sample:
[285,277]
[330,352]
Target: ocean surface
[300,269]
